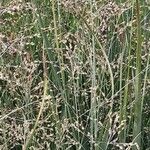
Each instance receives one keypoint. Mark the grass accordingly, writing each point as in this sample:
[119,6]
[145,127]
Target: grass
[74,75]
[138,99]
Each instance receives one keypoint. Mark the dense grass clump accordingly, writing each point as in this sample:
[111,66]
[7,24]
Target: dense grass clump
[74,75]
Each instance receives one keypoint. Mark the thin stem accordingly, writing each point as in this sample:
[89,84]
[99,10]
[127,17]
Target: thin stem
[30,136]
[138,99]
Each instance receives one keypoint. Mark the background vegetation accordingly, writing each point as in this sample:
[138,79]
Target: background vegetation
[74,74]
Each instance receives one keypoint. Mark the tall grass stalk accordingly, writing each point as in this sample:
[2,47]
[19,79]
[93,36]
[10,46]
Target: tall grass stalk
[31,134]
[138,99]
[93,111]
[125,99]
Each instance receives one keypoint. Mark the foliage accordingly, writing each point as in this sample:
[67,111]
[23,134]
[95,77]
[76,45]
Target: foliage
[74,75]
